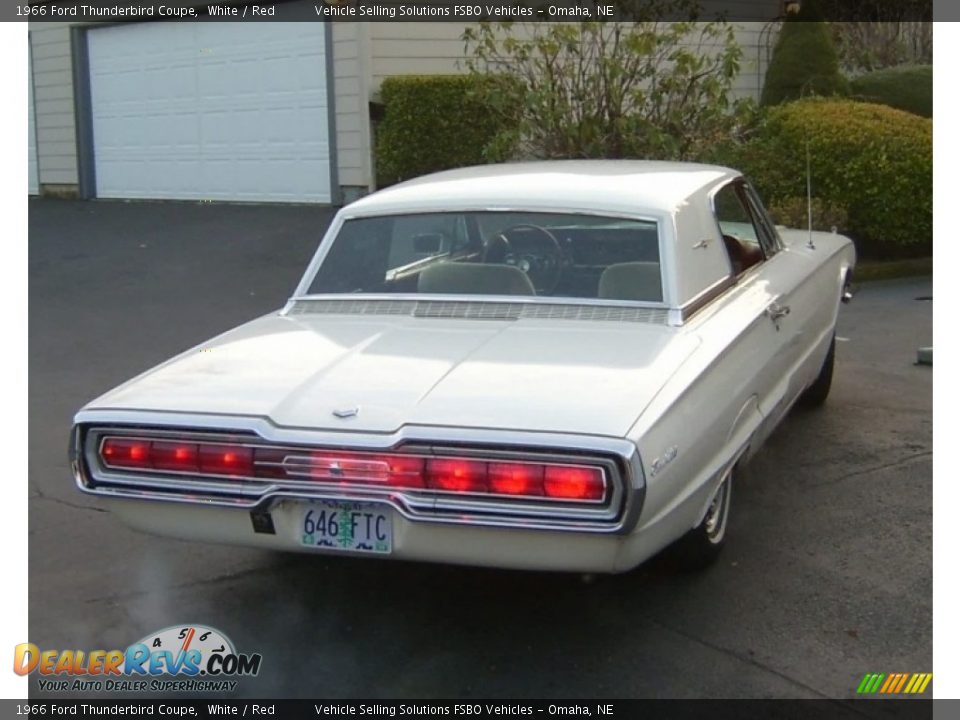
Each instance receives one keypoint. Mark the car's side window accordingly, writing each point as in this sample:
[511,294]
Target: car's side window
[734,218]
[742,233]
[769,238]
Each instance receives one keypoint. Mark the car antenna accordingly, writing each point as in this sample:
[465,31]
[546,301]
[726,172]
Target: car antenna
[809,204]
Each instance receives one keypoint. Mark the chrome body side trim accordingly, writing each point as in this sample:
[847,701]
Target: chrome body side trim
[707,296]
[619,459]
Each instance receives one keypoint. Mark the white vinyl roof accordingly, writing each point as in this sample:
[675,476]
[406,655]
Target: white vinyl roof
[616,186]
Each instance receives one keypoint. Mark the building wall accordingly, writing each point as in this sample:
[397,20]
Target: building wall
[351,58]
[363,55]
[53,103]
[414,48]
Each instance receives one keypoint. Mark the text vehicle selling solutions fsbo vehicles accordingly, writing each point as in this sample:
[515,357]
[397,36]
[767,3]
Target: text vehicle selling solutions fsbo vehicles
[554,366]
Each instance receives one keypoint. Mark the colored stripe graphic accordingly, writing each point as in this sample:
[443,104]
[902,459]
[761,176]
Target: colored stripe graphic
[891,680]
[870,683]
[900,684]
[894,683]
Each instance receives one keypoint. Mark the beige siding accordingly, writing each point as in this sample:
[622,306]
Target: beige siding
[415,48]
[753,64]
[351,57]
[53,99]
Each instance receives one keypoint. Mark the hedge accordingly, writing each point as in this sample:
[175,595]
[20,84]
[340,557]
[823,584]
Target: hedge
[909,87]
[431,123]
[872,161]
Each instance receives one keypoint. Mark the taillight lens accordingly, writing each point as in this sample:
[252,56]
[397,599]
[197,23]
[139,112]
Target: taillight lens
[469,476]
[516,478]
[405,472]
[574,483]
[226,460]
[123,452]
[183,457]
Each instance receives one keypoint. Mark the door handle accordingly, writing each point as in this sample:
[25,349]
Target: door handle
[775,311]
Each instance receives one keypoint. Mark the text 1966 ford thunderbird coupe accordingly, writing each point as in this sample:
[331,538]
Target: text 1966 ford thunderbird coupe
[553,366]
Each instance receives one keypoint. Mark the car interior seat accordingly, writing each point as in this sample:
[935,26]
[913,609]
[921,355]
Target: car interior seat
[474,279]
[742,255]
[631,281]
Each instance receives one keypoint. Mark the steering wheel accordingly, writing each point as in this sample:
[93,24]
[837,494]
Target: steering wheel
[543,266]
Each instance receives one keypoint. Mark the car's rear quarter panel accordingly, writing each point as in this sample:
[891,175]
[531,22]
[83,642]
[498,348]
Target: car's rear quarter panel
[731,392]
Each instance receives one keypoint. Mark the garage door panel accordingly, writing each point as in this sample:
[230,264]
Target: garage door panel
[211,111]
[275,76]
[312,82]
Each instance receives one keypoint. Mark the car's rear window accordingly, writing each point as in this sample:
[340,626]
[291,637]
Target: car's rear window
[495,254]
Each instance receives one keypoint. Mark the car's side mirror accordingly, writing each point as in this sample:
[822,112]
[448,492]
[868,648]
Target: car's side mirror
[428,243]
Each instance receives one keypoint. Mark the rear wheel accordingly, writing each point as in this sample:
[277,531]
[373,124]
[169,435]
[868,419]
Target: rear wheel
[700,547]
[816,394]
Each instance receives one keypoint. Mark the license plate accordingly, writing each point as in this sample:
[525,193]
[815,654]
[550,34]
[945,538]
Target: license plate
[347,526]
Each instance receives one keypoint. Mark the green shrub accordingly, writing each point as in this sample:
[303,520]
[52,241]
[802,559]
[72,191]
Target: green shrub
[909,87]
[873,161]
[804,61]
[656,90]
[792,213]
[432,123]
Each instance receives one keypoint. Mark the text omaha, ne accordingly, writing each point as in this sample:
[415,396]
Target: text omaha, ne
[409,10]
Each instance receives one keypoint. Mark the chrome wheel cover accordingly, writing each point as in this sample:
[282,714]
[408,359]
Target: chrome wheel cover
[715,521]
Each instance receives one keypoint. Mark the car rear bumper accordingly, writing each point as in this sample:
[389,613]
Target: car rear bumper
[511,548]
[492,534]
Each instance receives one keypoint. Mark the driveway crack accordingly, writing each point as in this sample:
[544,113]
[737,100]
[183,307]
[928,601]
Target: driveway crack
[745,659]
[875,468]
[40,495]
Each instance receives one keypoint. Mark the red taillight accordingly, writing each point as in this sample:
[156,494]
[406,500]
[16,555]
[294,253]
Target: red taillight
[573,483]
[451,475]
[515,478]
[123,452]
[182,457]
[226,460]
[457,475]
[405,472]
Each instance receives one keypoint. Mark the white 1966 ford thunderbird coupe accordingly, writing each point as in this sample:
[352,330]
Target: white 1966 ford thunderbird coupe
[553,366]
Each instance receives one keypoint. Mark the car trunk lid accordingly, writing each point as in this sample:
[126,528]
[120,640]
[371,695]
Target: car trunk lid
[375,373]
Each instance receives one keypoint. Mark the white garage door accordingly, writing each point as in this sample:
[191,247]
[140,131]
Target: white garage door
[210,111]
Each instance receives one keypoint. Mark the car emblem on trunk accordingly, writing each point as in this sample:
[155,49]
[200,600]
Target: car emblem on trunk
[344,413]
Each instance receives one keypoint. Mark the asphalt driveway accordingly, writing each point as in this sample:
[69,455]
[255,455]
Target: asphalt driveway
[827,575]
